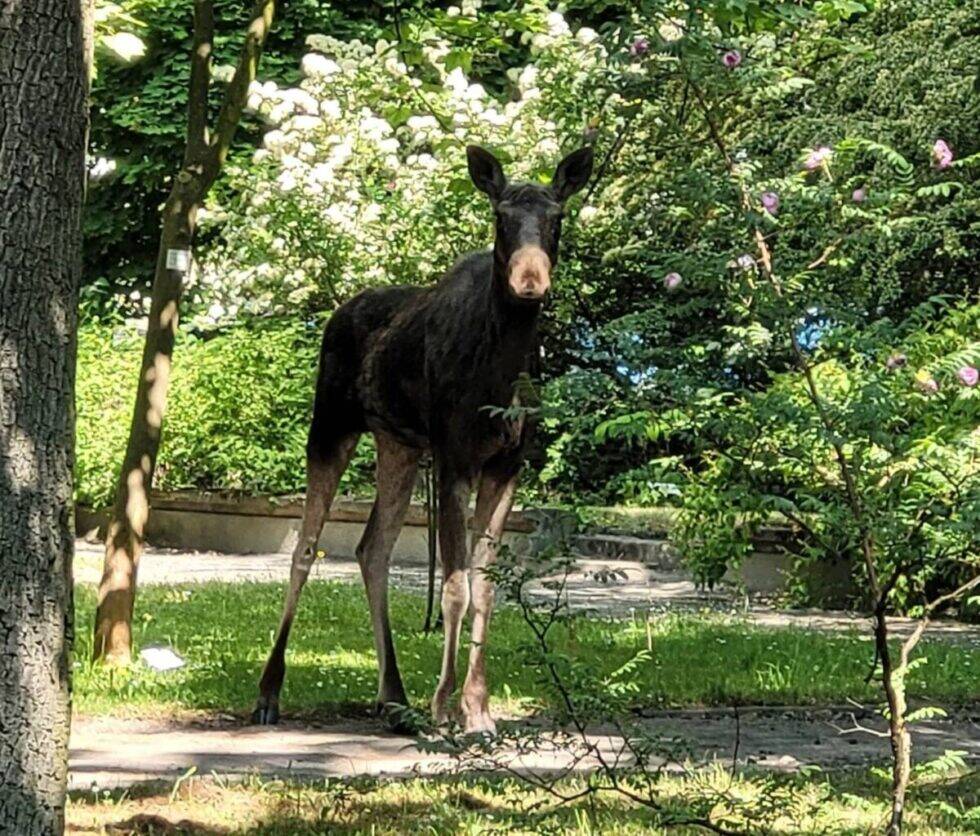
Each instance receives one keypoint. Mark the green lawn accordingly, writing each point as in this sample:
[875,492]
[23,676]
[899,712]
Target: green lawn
[224,631]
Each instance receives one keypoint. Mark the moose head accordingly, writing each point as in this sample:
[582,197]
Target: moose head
[528,219]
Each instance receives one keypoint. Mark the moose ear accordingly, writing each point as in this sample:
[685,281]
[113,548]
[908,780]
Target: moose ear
[573,173]
[485,171]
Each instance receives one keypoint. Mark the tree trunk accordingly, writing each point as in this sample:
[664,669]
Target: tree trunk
[203,159]
[43,121]
[124,538]
[893,680]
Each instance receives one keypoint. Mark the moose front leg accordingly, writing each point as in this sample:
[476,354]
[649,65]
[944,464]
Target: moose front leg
[493,501]
[454,497]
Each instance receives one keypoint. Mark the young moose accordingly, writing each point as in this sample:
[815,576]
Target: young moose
[417,367]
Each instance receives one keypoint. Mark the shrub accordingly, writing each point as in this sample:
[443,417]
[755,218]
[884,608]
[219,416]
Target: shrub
[237,419]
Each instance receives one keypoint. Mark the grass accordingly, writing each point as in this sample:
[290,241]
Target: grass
[840,803]
[224,631]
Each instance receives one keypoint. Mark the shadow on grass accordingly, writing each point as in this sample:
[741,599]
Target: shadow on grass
[844,803]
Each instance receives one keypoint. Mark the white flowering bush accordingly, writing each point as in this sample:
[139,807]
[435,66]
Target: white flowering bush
[361,178]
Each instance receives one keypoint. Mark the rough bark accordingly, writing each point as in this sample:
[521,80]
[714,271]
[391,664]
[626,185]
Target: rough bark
[203,159]
[43,122]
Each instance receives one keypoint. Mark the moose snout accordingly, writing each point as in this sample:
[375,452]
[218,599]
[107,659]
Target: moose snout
[530,273]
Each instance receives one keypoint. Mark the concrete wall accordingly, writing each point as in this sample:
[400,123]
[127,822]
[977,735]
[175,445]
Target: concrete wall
[263,525]
[254,525]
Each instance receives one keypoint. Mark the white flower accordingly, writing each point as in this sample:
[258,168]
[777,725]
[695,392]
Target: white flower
[388,146]
[321,173]
[395,67]
[492,116]
[330,108]
[302,101]
[586,36]
[540,42]
[342,152]
[586,214]
[125,46]
[671,30]
[100,168]
[420,124]
[453,11]
[528,77]
[280,112]
[304,124]
[318,66]
[287,182]
[274,140]
[374,128]
[456,81]
[557,25]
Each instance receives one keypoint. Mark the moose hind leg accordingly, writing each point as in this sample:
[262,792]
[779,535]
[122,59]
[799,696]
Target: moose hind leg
[454,493]
[325,465]
[493,501]
[396,471]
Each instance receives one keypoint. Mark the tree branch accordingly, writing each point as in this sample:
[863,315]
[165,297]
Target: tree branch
[237,92]
[200,84]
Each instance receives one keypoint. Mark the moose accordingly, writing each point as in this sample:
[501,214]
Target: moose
[418,367]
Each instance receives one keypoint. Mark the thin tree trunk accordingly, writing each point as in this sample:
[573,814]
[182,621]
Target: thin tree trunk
[43,122]
[203,159]
[893,681]
[124,538]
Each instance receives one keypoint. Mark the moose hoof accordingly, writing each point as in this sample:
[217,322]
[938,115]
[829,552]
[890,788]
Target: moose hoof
[266,712]
[479,723]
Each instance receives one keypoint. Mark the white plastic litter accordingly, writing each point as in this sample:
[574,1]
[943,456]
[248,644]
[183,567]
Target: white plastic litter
[161,658]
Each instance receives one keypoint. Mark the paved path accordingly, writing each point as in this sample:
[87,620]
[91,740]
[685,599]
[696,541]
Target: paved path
[610,587]
[111,753]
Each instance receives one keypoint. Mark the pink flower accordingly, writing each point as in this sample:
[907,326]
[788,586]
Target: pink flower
[731,59]
[770,202]
[926,384]
[942,154]
[968,376]
[672,281]
[896,361]
[641,46]
[391,185]
[859,195]
[818,158]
